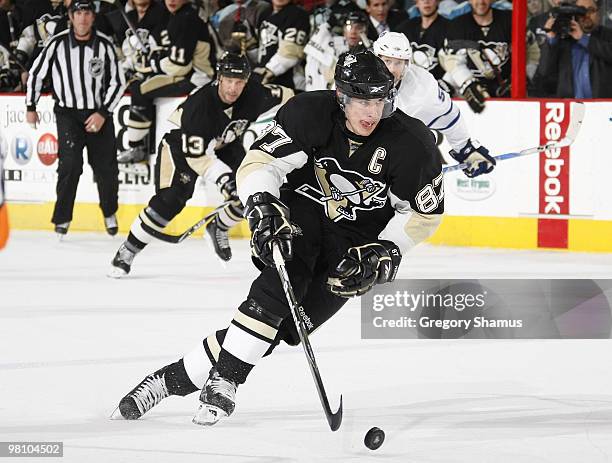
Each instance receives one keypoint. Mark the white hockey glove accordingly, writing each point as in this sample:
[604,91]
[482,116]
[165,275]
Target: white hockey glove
[477,158]
[364,266]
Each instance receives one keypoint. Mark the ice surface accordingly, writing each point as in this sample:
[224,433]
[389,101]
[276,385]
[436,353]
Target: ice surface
[73,342]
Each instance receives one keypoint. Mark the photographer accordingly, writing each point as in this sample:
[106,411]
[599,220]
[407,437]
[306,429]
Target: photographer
[576,58]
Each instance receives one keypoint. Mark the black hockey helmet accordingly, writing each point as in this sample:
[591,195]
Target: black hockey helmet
[78,5]
[355,17]
[361,74]
[234,65]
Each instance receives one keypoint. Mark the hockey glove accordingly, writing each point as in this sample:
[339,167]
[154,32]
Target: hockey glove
[477,158]
[264,73]
[475,95]
[269,222]
[226,183]
[364,266]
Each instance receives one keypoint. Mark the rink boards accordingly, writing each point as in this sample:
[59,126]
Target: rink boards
[558,199]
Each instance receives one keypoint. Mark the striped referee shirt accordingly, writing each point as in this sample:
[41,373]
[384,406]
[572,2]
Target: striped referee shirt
[85,75]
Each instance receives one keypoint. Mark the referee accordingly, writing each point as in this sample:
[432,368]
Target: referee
[87,84]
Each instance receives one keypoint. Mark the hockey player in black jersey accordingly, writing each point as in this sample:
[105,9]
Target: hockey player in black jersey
[363,186]
[282,37]
[426,34]
[184,60]
[476,56]
[208,143]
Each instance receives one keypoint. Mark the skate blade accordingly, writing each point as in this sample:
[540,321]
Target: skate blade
[116,415]
[209,242]
[116,273]
[207,415]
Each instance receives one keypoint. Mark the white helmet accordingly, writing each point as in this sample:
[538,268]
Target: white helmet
[393,45]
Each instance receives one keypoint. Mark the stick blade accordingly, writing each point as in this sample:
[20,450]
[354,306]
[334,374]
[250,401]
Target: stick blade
[335,419]
[577,111]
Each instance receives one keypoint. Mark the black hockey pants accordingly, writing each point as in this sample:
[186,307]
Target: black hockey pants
[101,155]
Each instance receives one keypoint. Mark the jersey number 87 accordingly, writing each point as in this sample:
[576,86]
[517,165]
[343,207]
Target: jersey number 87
[427,199]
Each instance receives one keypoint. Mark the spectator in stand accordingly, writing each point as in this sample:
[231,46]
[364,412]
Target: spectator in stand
[535,8]
[239,25]
[579,66]
[382,17]
[537,20]
[426,34]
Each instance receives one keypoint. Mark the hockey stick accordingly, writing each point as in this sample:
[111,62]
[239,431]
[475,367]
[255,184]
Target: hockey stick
[343,194]
[577,116]
[175,239]
[334,419]
[145,47]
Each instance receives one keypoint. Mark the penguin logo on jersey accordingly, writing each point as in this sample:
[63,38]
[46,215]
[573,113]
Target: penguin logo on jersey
[424,56]
[343,192]
[233,131]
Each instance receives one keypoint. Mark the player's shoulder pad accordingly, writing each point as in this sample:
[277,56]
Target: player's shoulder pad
[309,116]
[312,106]
[294,10]
[410,132]
[202,97]
[424,80]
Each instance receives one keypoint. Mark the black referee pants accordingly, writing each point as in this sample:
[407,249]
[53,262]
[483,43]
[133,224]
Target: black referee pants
[101,155]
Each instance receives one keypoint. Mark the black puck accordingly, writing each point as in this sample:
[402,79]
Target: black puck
[374,438]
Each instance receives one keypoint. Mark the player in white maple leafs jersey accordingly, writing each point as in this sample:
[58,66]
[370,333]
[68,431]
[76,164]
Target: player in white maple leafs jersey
[420,96]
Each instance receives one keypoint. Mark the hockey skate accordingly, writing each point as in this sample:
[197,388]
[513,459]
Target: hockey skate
[134,160]
[111,225]
[61,229]
[122,262]
[219,239]
[151,391]
[217,400]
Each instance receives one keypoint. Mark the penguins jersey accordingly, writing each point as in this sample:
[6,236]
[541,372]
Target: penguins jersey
[282,37]
[155,19]
[494,40]
[420,96]
[211,129]
[322,52]
[426,42]
[186,48]
[387,185]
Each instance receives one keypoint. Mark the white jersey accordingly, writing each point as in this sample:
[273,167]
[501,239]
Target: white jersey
[421,97]
[322,52]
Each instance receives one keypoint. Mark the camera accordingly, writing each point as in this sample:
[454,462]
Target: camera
[563,14]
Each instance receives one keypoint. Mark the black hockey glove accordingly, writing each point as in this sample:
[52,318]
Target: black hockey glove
[477,158]
[226,183]
[364,266]
[475,95]
[269,222]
